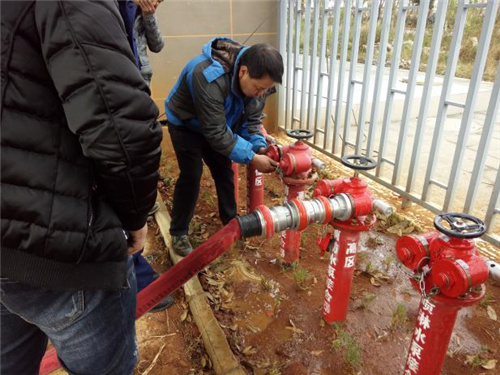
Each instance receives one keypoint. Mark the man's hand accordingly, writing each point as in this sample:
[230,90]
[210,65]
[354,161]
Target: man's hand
[147,6]
[137,239]
[263,163]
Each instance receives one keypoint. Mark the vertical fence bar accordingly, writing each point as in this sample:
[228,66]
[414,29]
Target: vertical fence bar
[358,14]
[290,70]
[296,54]
[322,52]
[430,74]
[490,212]
[398,42]
[343,63]
[484,144]
[367,74]
[282,89]
[305,66]
[312,75]
[331,73]
[451,67]
[470,102]
[384,37]
[418,41]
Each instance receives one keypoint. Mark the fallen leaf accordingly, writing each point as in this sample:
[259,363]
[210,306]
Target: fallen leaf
[374,282]
[184,315]
[295,329]
[491,313]
[317,352]
[490,364]
[249,350]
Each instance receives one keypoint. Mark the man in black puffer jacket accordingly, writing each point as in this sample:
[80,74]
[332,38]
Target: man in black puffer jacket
[80,148]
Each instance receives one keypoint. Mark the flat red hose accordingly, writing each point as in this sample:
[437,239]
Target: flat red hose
[171,280]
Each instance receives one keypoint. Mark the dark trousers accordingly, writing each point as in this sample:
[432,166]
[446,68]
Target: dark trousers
[192,149]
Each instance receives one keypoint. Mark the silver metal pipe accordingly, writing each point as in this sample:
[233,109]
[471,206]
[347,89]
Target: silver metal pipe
[494,269]
[382,207]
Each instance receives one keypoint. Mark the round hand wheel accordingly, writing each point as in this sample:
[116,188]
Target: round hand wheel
[300,133]
[358,162]
[460,225]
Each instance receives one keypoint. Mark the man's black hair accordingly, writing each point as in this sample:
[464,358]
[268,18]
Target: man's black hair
[263,60]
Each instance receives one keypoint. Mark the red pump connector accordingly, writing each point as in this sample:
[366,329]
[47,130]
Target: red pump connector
[343,241]
[450,274]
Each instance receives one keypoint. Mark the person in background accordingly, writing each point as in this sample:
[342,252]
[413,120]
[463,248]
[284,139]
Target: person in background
[214,115]
[147,35]
[80,150]
[130,13]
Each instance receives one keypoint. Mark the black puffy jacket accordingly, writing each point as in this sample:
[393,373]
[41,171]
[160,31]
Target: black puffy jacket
[80,145]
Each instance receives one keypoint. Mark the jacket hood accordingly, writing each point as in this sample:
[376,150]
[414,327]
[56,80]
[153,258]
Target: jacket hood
[224,54]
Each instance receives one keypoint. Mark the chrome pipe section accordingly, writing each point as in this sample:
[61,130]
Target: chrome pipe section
[382,207]
[266,221]
[318,165]
[494,270]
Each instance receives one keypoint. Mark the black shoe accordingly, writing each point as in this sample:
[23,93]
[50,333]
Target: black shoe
[181,245]
[165,303]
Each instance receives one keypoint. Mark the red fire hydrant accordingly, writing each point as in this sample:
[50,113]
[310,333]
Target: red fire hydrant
[297,168]
[344,244]
[255,179]
[449,273]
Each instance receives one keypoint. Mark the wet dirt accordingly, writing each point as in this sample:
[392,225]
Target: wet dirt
[272,313]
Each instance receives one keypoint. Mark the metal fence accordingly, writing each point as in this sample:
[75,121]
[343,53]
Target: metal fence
[436,136]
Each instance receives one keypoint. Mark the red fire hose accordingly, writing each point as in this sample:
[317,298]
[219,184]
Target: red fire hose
[171,280]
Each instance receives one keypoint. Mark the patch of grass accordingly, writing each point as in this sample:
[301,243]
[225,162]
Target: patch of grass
[374,241]
[367,300]
[285,267]
[399,316]
[486,301]
[348,346]
[301,276]
[389,260]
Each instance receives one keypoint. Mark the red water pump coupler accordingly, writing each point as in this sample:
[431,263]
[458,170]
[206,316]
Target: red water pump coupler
[450,275]
[451,257]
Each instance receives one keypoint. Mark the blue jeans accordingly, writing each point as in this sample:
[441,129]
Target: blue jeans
[92,331]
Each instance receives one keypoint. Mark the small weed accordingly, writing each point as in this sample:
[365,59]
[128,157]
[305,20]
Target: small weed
[348,345]
[399,316]
[274,371]
[367,300]
[474,360]
[486,301]
[389,260]
[285,267]
[301,275]
[373,242]
[369,268]
[265,285]
[477,359]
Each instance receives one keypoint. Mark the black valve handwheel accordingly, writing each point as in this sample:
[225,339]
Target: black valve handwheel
[358,162]
[460,225]
[300,133]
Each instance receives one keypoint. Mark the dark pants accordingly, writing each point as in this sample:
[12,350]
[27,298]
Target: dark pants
[143,271]
[192,149]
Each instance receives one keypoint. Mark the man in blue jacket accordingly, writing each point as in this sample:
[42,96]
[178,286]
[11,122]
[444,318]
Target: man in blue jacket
[214,113]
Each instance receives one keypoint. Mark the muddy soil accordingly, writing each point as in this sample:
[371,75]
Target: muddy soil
[271,312]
